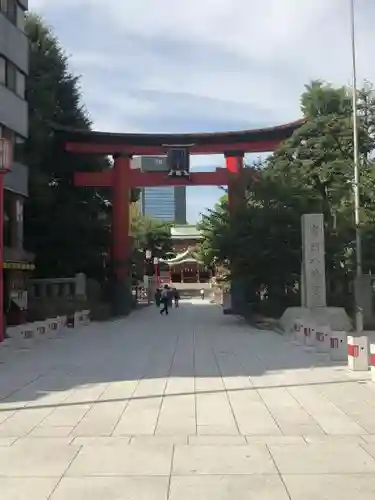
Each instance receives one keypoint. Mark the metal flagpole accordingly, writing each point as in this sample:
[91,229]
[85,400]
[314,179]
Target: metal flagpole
[358,243]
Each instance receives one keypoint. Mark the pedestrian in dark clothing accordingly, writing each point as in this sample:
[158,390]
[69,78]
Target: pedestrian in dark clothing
[176,298]
[165,300]
[158,297]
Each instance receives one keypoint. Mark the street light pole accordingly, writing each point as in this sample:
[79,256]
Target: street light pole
[358,242]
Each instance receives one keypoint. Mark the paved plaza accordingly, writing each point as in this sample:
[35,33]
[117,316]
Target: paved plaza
[193,406]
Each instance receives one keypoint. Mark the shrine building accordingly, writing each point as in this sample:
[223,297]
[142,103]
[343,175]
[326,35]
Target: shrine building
[184,266]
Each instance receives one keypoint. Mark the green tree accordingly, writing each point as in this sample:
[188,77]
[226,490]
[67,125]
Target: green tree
[319,156]
[263,238]
[65,226]
[147,234]
[310,172]
[150,234]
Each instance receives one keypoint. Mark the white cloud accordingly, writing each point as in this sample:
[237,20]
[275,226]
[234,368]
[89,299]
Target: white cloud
[39,5]
[277,46]
[169,65]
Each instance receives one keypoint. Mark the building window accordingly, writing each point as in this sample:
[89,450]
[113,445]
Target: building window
[9,9]
[3,70]
[4,6]
[20,84]
[21,18]
[11,76]
[7,133]
[8,219]
[19,149]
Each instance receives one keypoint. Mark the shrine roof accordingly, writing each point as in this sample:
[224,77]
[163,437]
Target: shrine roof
[182,258]
[160,140]
[185,231]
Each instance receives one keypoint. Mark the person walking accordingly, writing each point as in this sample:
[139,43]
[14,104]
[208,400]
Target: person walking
[165,300]
[176,297]
[202,294]
[158,297]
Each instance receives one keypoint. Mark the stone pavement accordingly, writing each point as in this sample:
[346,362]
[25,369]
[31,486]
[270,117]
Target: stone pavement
[195,406]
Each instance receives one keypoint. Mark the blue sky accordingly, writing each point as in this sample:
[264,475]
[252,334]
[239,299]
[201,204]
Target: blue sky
[205,65]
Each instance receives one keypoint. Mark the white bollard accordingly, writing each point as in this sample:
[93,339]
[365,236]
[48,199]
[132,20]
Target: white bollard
[86,317]
[13,332]
[309,333]
[338,346]
[24,334]
[372,361]
[358,353]
[295,328]
[27,331]
[77,319]
[41,329]
[53,327]
[323,339]
[298,334]
[63,321]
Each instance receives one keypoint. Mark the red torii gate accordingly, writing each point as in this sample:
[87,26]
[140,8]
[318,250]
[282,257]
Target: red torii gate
[121,178]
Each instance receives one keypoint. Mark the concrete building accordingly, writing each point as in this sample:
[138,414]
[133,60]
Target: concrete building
[163,203]
[14,64]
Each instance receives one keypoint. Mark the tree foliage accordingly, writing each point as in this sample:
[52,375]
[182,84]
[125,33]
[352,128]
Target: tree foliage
[150,234]
[63,225]
[311,172]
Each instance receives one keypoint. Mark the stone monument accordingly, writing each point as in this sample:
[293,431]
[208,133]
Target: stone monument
[313,282]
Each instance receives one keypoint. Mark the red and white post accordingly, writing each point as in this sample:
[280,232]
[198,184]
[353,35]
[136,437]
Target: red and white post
[358,353]
[338,345]
[372,361]
[322,339]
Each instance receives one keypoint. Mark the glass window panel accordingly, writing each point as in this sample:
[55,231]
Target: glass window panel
[2,71]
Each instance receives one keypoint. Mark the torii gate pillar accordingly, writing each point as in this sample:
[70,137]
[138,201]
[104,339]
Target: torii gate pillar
[236,200]
[121,244]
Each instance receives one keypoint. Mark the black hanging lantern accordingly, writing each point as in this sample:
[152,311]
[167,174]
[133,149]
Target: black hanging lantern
[178,161]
